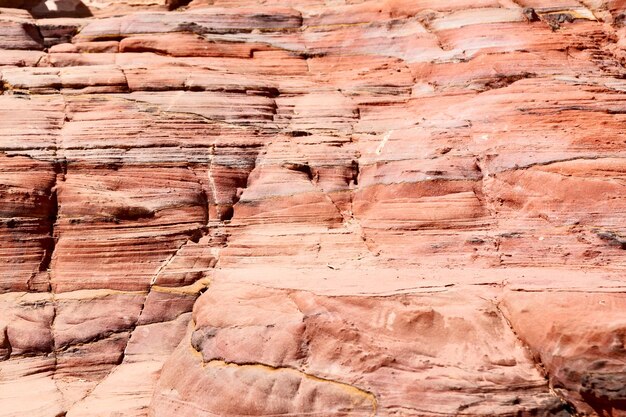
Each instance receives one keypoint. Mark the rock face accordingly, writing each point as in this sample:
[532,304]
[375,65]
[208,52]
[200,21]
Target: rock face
[313,208]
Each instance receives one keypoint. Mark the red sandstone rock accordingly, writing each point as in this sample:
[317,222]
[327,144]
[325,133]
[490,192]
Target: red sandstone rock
[312,208]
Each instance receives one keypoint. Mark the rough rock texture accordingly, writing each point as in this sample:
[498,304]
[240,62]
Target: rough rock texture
[312,208]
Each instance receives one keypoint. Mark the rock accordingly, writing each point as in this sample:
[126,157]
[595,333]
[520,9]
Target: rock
[19,31]
[588,372]
[324,208]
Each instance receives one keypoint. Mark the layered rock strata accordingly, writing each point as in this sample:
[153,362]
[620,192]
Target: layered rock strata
[312,208]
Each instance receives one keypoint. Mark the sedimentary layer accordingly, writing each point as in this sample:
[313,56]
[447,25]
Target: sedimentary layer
[312,208]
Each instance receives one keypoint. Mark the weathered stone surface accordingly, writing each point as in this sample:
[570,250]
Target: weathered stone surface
[312,208]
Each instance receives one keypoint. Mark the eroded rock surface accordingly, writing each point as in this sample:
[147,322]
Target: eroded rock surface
[312,208]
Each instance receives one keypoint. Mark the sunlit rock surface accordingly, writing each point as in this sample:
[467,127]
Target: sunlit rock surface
[312,208]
